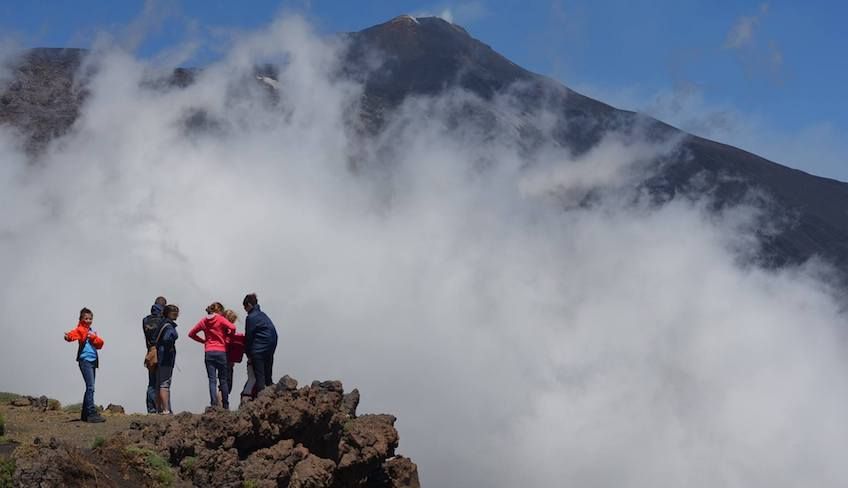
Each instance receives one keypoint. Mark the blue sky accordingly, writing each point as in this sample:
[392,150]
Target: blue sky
[765,76]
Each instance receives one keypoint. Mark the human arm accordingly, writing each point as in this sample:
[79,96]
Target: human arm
[95,340]
[169,336]
[194,330]
[249,334]
[73,335]
[229,327]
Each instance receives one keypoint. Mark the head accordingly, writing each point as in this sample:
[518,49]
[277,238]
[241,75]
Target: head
[231,315]
[250,302]
[172,312]
[161,301]
[86,316]
[215,307]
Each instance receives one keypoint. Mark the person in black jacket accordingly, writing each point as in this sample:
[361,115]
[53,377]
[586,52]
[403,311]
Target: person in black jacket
[260,337]
[150,326]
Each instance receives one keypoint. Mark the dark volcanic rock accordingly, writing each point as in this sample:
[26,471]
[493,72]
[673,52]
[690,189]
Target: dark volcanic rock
[43,98]
[401,472]
[52,463]
[285,438]
[115,409]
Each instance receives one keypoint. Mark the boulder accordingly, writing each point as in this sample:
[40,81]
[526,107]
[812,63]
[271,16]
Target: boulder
[115,409]
[313,472]
[366,443]
[401,472]
[52,463]
[350,401]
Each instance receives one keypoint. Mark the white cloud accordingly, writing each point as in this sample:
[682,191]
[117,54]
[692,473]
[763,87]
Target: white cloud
[742,38]
[816,148]
[615,344]
[463,13]
[743,30]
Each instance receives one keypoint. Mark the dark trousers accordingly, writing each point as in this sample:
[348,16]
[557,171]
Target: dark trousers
[263,367]
[152,390]
[89,372]
[216,363]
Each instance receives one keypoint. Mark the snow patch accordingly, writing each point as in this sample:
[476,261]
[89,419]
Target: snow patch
[405,18]
[268,81]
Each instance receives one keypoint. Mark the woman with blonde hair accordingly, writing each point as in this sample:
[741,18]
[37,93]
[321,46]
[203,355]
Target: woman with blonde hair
[235,349]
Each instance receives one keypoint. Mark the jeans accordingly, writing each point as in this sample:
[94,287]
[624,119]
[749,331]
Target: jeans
[88,375]
[250,385]
[263,367]
[216,362]
[152,390]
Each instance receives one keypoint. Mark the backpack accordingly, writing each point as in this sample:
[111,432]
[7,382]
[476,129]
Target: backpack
[151,359]
[150,324]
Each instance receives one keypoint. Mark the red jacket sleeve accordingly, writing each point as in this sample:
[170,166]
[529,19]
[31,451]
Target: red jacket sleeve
[96,341]
[73,335]
[194,330]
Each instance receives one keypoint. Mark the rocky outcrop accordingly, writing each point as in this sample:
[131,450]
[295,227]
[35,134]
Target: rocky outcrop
[288,437]
[114,409]
[38,403]
[52,463]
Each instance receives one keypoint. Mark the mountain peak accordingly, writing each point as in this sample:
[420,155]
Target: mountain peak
[423,54]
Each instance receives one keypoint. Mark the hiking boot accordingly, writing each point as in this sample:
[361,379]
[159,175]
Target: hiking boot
[95,419]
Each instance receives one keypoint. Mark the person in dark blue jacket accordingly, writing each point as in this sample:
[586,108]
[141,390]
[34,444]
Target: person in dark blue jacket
[150,327]
[166,351]
[260,337]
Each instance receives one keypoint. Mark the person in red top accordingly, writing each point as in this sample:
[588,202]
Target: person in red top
[89,361]
[216,329]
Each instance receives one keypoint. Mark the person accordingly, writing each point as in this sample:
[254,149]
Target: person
[260,337]
[166,351]
[216,328]
[235,348]
[150,326]
[88,360]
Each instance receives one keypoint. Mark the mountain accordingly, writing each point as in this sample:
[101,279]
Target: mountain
[428,56]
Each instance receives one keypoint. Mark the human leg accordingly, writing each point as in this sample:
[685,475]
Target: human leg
[88,376]
[259,371]
[269,369]
[151,391]
[163,380]
[211,369]
[223,381]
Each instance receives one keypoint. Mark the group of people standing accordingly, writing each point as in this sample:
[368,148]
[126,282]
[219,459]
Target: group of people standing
[223,347]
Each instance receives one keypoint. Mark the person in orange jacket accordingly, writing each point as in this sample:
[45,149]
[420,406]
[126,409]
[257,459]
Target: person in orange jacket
[89,344]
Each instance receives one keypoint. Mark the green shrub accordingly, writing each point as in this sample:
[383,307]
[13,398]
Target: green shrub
[98,442]
[158,465]
[6,397]
[73,408]
[189,464]
[250,484]
[7,470]
[53,404]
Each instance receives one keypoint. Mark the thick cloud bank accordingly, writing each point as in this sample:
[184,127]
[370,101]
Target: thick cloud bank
[522,337]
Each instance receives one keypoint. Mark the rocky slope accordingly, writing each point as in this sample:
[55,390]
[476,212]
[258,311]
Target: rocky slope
[288,437]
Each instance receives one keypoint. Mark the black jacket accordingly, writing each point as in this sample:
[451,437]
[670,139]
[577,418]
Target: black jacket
[150,324]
